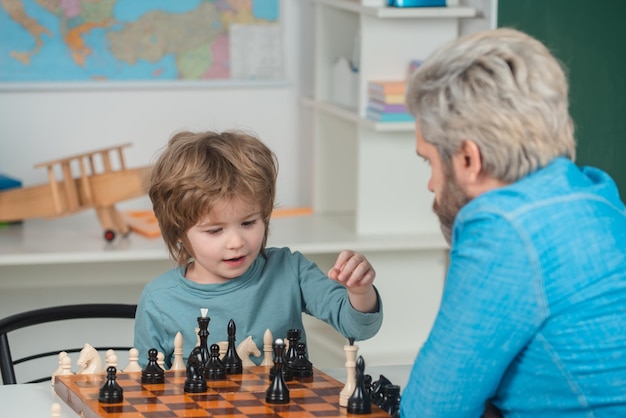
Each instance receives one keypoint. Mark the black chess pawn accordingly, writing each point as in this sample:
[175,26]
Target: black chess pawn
[152,373]
[231,359]
[111,391]
[301,368]
[278,392]
[293,335]
[359,402]
[195,383]
[215,368]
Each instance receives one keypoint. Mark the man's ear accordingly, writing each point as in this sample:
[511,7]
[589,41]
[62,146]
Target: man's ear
[468,163]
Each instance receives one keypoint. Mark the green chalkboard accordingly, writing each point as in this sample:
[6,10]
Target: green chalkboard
[589,38]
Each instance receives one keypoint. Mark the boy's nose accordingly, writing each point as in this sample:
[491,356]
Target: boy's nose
[235,240]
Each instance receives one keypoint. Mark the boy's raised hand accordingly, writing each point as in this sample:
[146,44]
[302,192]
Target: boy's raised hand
[354,272]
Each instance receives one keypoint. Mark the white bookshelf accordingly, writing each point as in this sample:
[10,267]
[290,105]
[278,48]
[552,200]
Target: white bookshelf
[368,171]
[365,168]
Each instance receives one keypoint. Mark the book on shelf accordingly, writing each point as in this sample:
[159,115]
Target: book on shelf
[417,3]
[387,107]
[389,98]
[371,3]
[387,86]
[377,116]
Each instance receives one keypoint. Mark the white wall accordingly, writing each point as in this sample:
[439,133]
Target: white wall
[37,126]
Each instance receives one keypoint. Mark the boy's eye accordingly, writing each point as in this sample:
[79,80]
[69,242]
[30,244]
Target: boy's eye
[213,231]
[249,223]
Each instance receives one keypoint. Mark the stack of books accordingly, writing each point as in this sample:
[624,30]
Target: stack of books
[386,102]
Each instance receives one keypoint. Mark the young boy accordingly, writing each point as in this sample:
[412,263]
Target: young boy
[213,195]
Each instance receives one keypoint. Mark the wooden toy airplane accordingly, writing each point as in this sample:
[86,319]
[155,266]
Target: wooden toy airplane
[91,188]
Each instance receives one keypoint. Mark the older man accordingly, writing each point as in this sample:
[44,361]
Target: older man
[533,314]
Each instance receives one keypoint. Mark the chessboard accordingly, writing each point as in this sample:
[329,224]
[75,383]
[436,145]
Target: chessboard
[239,395]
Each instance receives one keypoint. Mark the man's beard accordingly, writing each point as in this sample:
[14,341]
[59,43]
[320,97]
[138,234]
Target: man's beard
[450,202]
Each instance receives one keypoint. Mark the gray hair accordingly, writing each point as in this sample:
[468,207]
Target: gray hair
[501,89]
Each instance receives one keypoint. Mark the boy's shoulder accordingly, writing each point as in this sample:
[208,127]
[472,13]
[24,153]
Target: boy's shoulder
[280,254]
[281,257]
[277,252]
[166,280]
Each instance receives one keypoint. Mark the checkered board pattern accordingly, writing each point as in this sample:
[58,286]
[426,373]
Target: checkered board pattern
[239,396]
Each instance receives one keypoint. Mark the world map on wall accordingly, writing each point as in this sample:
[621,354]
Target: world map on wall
[139,40]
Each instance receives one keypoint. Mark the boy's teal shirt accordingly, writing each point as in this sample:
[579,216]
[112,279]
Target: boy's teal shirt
[272,294]
[533,313]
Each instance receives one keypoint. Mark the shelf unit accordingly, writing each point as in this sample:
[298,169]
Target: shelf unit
[399,12]
[363,167]
[77,239]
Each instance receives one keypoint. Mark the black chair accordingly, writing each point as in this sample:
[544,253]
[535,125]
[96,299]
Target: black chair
[53,314]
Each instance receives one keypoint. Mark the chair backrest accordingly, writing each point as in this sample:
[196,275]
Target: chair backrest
[53,314]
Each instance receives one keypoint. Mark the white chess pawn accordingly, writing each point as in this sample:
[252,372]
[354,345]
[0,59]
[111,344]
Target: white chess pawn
[178,363]
[268,352]
[223,345]
[110,359]
[133,361]
[59,368]
[161,360]
[66,366]
[55,410]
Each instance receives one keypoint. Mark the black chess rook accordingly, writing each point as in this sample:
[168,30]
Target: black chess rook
[301,368]
[391,396]
[278,392]
[293,336]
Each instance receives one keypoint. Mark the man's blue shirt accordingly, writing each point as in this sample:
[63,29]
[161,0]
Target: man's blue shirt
[533,313]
